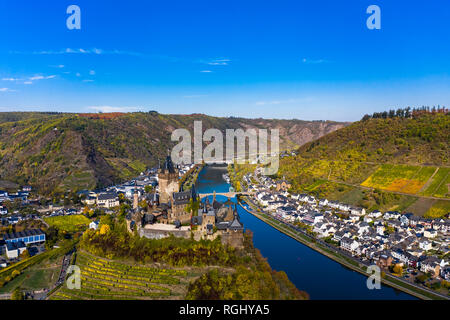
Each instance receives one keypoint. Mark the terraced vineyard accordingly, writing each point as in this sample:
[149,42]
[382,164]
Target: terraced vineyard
[102,279]
[439,184]
[400,178]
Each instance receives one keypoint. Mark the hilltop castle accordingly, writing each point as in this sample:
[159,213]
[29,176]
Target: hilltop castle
[181,213]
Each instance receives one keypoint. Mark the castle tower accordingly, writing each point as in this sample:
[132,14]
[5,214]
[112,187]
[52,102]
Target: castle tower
[168,180]
[205,206]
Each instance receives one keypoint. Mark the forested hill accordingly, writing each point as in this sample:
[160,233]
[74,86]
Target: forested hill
[420,140]
[60,151]
[381,162]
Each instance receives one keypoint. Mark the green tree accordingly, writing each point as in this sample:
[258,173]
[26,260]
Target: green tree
[193,206]
[25,254]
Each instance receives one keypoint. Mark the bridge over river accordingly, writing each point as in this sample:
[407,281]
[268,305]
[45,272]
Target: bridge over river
[226,194]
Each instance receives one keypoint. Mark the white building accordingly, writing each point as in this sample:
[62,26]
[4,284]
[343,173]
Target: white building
[108,200]
[430,233]
[14,249]
[93,225]
[425,245]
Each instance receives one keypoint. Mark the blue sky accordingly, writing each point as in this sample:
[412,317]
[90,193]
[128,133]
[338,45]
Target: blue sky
[272,59]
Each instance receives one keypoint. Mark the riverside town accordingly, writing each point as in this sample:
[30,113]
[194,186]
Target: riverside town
[239,160]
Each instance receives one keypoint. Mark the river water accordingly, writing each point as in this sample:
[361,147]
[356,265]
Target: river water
[321,277]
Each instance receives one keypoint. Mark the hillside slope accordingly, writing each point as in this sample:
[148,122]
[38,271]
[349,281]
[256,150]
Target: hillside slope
[60,152]
[378,164]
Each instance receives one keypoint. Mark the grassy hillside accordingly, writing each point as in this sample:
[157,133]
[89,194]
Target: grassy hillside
[60,152]
[379,163]
[71,223]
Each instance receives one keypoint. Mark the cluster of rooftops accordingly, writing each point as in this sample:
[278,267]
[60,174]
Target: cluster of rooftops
[213,210]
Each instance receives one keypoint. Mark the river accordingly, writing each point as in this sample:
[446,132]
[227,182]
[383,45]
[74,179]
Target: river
[321,277]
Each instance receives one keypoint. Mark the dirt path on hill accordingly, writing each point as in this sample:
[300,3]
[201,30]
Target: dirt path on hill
[425,186]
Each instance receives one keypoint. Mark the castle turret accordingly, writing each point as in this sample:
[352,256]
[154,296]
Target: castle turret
[206,205]
[236,224]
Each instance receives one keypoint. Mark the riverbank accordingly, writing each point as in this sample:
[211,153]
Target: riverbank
[322,277]
[190,177]
[339,258]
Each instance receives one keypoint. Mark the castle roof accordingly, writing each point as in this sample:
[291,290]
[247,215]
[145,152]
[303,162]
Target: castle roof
[235,224]
[168,165]
[180,198]
[206,205]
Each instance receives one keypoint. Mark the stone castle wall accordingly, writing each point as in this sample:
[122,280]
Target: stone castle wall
[160,234]
[233,238]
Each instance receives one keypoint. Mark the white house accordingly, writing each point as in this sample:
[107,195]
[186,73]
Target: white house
[108,200]
[343,207]
[314,217]
[425,245]
[375,214]
[265,199]
[349,244]
[333,204]
[430,233]
[363,227]
[93,225]
[357,211]
[90,201]
[14,249]
[380,229]
[323,229]
[431,264]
